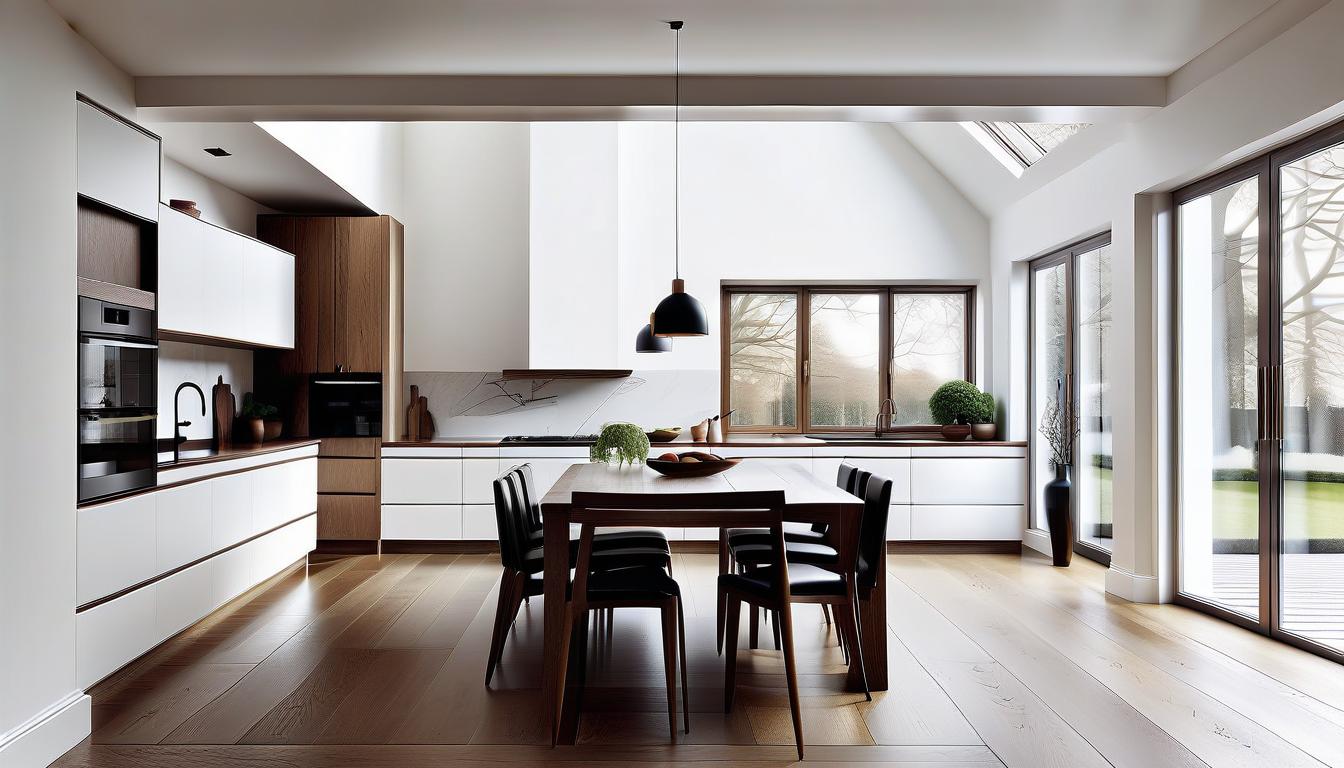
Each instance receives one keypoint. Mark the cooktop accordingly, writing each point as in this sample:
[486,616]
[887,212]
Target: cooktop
[550,439]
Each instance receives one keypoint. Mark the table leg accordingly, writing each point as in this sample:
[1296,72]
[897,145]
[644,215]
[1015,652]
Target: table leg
[558,626]
[873,627]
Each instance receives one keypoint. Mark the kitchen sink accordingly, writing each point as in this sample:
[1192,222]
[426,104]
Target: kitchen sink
[869,437]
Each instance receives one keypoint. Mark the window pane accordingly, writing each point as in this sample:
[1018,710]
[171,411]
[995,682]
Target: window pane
[1219,483]
[1312,547]
[928,335]
[763,361]
[843,344]
[1049,339]
[1094,397]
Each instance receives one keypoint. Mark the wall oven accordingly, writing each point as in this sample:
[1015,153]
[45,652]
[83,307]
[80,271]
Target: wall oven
[118,399]
[345,404]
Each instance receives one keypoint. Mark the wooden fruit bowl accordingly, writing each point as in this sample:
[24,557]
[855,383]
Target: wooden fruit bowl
[691,468]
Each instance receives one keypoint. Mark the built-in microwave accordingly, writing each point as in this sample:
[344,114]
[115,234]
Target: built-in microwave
[117,410]
[345,404]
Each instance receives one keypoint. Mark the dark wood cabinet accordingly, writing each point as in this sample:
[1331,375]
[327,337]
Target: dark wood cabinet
[348,316]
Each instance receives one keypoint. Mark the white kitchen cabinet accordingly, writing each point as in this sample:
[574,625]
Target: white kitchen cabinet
[478,522]
[423,522]
[182,287]
[968,481]
[109,635]
[233,502]
[233,574]
[116,163]
[425,481]
[478,480]
[183,524]
[898,523]
[183,598]
[116,547]
[268,295]
[967,522]
[218,283]
[895,470]
[222,269]
[545,471]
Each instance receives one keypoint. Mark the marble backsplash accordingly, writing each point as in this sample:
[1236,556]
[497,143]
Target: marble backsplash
[470,404]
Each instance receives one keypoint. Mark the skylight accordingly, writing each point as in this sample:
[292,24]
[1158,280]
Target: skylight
[1019,145]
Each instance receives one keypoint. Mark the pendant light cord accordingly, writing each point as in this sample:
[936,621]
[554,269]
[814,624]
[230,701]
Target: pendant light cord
[676,149]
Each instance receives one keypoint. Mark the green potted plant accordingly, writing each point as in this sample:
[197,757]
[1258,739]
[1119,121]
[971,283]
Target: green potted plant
[626,443]
[957,405]
[254,416]
[982,422]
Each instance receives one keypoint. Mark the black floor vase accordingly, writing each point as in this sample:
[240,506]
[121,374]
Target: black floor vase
[1059,515]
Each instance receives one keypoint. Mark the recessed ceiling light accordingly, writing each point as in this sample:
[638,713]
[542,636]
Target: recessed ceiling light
[218,151]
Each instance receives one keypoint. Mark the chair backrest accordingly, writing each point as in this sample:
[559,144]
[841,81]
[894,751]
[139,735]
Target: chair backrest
[530,499]
[873,529]
[511,519]
[844,479]
[756,509]
[860,486]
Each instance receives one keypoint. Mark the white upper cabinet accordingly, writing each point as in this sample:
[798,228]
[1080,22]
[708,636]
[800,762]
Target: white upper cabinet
[117,164]
[219,284]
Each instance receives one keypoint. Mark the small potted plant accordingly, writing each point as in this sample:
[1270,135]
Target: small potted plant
[254,416]
[982,421]
[957,405]
[626,443]
[1059,427]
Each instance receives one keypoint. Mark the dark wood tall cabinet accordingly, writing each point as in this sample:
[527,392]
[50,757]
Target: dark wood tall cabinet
[348,316]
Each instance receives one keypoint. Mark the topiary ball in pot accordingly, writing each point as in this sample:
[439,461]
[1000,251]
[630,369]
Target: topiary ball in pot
[955,405]
[627,443]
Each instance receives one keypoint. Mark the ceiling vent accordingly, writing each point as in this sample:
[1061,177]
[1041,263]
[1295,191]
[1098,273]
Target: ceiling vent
[218,151]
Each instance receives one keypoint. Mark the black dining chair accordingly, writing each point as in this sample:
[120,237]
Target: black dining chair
[522,557]
[750,547]
[835,584]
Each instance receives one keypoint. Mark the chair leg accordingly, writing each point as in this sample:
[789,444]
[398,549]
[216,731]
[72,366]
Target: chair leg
[724,567]
[503,621]
[730,651]
[826,613]
[685,684]
[774,626]
[791,673]
[669,612]
[754,628]
[856,637]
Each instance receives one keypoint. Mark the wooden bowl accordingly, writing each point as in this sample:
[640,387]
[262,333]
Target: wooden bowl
[691,469]
[664,435]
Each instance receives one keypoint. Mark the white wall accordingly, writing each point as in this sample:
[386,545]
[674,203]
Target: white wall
[201,365]
[364,158]
[218,203]
[466,250]
[42,64]
[1284,88]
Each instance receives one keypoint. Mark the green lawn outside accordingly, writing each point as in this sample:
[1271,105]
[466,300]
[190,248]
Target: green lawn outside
[1313,510]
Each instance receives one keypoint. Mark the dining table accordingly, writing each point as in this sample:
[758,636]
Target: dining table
[807,499]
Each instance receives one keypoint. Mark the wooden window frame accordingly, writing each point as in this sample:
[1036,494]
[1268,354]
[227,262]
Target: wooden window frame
[803,293]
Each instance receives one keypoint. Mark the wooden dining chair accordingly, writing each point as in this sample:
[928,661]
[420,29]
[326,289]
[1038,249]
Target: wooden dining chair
[522,557]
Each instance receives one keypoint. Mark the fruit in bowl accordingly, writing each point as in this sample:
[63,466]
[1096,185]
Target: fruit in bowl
[663,434]
[691,464]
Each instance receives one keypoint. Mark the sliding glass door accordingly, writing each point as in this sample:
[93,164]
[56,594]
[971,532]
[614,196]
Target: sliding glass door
[1071,323]
[1261,395]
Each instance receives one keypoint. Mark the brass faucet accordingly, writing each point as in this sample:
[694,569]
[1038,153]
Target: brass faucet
[886,413]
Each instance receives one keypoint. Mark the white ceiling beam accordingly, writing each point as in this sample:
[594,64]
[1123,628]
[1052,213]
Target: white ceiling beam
[562,97]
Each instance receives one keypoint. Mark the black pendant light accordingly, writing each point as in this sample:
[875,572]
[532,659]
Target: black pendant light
[680,314]
[647,342]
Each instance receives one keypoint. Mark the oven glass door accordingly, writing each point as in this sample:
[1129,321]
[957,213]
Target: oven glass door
[345,408]
[118,452]
[115,373]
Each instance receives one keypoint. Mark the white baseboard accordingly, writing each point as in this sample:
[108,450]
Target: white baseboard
[1132,586]
[1035,538]
[48,734]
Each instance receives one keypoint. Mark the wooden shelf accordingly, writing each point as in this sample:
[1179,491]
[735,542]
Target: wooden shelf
[564,373]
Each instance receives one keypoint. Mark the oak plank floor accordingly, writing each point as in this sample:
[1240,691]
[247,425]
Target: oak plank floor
[995,660]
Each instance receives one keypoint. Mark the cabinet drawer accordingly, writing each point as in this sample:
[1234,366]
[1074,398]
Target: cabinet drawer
[478,522]
[895,470]
[898,523]
[478,478]
[347,517]
[350,447]
[966,523]
[422,481]
[433,522]
[116,163]
[184,516]
[115,547]
[233,507]
[347,476]
[184,598]
[112,634]
[968,481]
